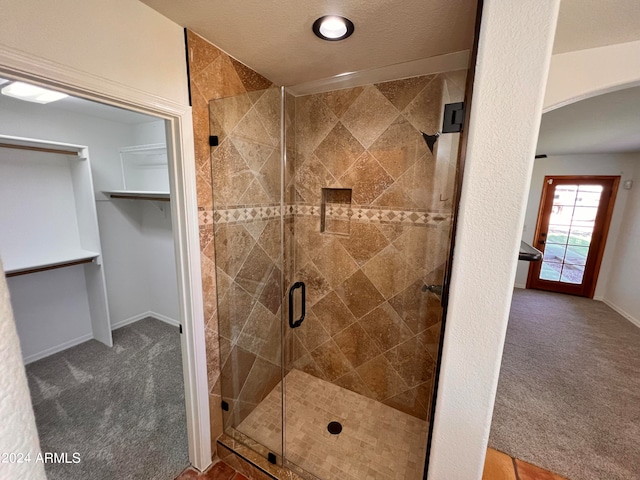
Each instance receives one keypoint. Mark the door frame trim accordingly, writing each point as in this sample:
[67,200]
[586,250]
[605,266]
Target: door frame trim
[18,65]
[615,179]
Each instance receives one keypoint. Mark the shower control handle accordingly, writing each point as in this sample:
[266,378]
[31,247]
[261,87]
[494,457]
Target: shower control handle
[294,287]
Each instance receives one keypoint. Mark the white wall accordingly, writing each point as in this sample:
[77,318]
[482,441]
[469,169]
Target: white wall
[46,122]
[157,238]
[123,41]
[511,71]
[587,164]
[624,277]
[142,264]
[49,324]
[137,244]
[148,133]
[582,74]
[136,237]
[45,324]
[18,432]
[121,236]
[160,261]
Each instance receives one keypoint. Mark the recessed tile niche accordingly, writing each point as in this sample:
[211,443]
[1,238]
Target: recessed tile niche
[334,211]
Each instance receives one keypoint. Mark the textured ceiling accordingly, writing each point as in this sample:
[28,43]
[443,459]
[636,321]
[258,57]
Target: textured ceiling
[602,124]
[275,38]
[586,24]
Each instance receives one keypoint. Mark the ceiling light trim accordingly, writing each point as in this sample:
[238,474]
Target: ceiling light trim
[333,28]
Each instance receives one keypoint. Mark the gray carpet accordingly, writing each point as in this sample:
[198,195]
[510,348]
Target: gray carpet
[569,389]
[122,408]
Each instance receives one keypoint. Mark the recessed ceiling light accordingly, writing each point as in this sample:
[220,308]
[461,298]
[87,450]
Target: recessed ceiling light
[333,28]
[31,93]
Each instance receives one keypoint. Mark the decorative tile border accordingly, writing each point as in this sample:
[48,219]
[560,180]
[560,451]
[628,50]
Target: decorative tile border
[205,217]
[382,215]
[334,211]
[246,214]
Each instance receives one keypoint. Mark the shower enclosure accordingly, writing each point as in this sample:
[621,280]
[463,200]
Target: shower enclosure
[332,229]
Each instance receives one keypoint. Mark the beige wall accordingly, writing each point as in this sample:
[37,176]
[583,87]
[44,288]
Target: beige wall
[624,277]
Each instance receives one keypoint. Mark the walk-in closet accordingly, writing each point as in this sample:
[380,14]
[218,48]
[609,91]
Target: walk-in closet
[87,245]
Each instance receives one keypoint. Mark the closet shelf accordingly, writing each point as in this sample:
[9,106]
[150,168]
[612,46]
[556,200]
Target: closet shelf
[138,195]
[33,265]
[21,143]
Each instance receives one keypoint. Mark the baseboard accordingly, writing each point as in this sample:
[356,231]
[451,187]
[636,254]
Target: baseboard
[626,315]
[58,348]
[128,321]
[520,285]
[140,316]
[165,319]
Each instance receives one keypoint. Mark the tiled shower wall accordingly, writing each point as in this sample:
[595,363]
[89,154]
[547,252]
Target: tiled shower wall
[369,327]
[246,200]
[216,76]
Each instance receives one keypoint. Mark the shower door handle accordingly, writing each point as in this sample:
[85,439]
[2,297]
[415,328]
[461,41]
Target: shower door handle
[294,287]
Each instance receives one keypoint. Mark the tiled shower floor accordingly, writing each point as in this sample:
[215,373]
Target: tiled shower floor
[377,442]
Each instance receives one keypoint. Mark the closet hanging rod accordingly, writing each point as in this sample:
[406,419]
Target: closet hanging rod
[139,197]
[40,149]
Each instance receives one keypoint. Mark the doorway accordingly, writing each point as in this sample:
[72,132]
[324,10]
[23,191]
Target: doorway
[573,222]
[184,216]
[93,285]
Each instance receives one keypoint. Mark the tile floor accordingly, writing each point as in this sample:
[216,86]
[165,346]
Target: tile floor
[219,471]
[500,466]
[377,442]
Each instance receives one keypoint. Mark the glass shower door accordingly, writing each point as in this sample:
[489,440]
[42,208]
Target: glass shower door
[247,224]
[367,231]
[332,221]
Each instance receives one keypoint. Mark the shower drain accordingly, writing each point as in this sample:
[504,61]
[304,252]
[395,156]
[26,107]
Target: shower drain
[334,428]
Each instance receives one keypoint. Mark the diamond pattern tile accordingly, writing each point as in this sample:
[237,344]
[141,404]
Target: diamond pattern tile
[335,263]
[231,175]
[228,111]
[314,120]
[369,115]
[367,178]
[339,150]
[359,294]
[339,101]
[401,92]
[398,147]
[425,110]
[365,309]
